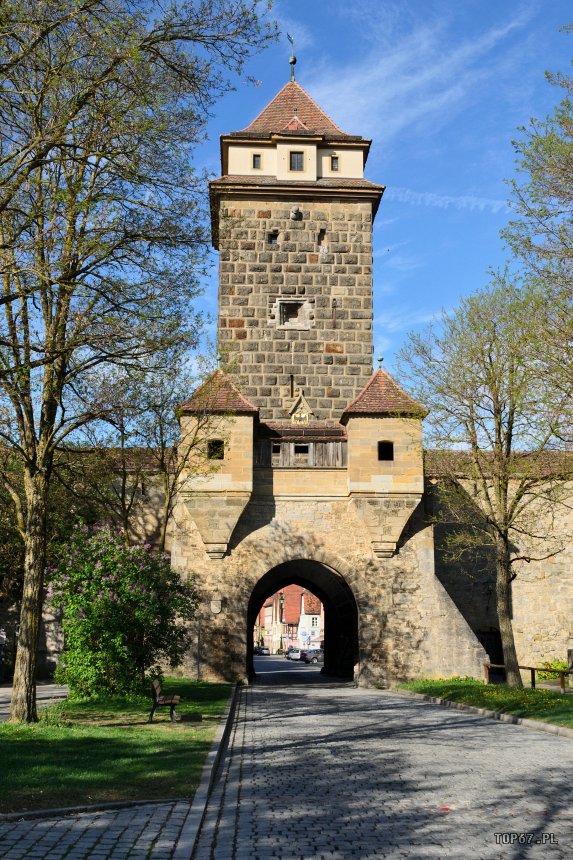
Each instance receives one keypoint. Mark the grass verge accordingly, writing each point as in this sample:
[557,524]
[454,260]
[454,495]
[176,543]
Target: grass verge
[539,704]
[103,750]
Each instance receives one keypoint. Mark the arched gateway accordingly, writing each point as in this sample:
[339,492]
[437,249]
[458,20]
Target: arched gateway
[341,651]
[317,462]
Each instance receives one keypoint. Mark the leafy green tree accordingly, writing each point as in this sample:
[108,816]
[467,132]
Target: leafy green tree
[541,233]
[139,449]
[495,419]
[124,611]
[102,239]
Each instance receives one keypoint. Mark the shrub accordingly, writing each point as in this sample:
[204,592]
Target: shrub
[551,676]
[122,606]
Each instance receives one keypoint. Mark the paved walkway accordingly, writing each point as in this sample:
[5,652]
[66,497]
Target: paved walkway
[46,693]
[332,772]
[340,773]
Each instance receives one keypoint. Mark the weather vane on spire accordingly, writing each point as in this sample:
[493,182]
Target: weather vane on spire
[292,58]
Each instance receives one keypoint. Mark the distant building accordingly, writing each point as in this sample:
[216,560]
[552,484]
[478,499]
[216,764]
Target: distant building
[292,616]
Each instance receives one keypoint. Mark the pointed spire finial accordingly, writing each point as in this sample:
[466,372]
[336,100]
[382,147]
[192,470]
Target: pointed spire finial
[380,360]
[292,58]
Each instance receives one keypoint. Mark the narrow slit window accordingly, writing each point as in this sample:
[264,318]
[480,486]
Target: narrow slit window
[385,451]
[256,161]
[215,449]
[321,237]
[334,163]
[296,160]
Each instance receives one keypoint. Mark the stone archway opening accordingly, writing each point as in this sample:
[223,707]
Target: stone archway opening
[341,653]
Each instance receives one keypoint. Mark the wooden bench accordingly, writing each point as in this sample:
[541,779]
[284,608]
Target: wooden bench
[159,700]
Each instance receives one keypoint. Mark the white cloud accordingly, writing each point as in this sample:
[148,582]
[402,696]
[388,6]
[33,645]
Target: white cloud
[404,318]
[417,81]
[446,201]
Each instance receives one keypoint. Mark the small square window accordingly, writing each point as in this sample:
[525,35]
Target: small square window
[290,312]
[334,163]
[215,449]
[296,161]
[256,161]
[273,237]
[385,451]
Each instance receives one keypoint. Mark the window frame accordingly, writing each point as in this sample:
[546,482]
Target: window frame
[295,305]
[259,166]
[334,164]
[292,160]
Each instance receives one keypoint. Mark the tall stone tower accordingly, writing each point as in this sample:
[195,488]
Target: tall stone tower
[292,220]
[317,469]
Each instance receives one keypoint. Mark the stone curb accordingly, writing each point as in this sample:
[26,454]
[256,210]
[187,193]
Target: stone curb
[539,726]
[190,830]
[61,812]
[207,775]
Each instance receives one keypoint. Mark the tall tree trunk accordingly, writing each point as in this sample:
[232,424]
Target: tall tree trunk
[23,708]
[167,499]
[503,599]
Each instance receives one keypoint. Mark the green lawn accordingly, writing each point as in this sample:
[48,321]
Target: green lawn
[538,704]
[103,750]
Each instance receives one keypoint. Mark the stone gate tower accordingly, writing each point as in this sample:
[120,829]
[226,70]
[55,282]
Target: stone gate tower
[317,462]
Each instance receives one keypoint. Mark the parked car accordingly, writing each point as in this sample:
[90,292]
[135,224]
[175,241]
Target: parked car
[294,654]
[287,652]
[314,656]
[264,652]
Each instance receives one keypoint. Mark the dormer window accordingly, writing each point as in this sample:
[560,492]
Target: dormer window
[256,161]
[296,160]
[334,163]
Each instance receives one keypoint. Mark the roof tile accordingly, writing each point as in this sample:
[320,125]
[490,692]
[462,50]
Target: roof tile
[383,396]
[294,103]
[218,394]
[341,182]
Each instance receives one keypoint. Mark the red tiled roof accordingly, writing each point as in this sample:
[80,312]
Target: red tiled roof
[219,394]
[383,396]
[292,603]
[311,604]
[292,102]
[236,179]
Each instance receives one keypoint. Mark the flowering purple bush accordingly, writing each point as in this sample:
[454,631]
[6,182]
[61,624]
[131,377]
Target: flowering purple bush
[124,612]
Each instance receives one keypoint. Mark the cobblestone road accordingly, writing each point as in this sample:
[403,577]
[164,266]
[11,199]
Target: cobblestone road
[333,772]
[338,773]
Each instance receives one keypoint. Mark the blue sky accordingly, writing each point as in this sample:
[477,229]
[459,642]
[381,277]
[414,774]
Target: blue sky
[441,88]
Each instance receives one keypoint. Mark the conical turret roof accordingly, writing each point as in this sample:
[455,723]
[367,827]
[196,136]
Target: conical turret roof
[383,396]
[218,394]
[292,110]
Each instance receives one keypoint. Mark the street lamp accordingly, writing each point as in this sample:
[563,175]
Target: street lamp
[281,616]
